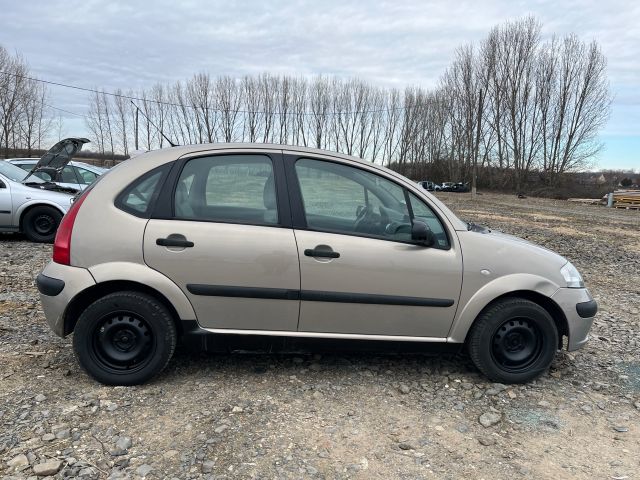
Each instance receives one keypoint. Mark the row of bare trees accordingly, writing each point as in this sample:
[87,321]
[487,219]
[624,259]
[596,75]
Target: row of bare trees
[24,120]
[505,108]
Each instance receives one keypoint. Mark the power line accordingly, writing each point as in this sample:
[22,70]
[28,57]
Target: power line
[181,105]
[63,110]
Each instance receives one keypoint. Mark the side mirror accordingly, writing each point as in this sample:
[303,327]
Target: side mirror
[422,234]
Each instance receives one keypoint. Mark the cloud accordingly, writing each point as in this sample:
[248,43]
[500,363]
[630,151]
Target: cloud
[133,44]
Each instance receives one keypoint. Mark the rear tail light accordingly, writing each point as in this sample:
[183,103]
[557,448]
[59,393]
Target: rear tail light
[62,243]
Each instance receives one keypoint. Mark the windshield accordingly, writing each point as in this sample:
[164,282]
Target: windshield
[15,173]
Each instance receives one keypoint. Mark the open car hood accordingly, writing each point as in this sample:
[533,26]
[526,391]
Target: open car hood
[59,155]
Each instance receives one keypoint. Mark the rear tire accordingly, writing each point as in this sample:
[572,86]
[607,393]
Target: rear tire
[124,338]
[41,223]
[513,341]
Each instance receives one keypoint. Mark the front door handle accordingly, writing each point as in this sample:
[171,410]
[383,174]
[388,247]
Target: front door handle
[174,240]
[314,252]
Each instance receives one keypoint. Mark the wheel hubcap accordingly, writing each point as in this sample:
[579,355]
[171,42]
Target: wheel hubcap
[44,224]
[516,344]
[123,341]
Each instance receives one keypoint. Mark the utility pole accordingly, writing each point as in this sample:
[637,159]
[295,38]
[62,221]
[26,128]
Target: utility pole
[136,128]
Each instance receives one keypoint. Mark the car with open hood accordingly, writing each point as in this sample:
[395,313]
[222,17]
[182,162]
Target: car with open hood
[34,206]
[205,242]
[76,175]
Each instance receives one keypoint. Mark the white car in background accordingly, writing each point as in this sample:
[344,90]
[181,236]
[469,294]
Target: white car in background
[32,205]
[77,175]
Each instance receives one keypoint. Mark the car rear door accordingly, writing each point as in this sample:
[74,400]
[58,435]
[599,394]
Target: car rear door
[222,232]
[360,272]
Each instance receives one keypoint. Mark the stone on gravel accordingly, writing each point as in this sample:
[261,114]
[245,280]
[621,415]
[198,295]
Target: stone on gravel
[123,443]
[406,446]
[207,466]
[404,388]
[50,467]
[40,398]
[487,441]
[18,461]
[144,470]
[220,429]
[62,434]
[47,437]
[489,419]
[496,388]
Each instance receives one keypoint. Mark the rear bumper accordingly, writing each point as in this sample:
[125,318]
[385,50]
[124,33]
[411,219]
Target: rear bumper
[580,309]
[58,285]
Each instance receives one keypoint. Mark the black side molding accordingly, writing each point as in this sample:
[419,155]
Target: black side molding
[243,292]
[314,296]
[49,286]
[587,309]
[345,297]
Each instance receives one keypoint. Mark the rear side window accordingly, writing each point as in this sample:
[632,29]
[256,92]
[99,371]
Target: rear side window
[68,175]
[140,195]
[227,188]
[85,176]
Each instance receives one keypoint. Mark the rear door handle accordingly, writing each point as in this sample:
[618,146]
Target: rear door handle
[175,240]
[312,252]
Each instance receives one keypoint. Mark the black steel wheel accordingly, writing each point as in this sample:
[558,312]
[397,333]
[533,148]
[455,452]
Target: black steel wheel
[123,341]
[517,344]
[514,340]
[41,223]
[124,338]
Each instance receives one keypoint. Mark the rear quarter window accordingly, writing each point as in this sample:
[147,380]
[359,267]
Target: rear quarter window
[139,197]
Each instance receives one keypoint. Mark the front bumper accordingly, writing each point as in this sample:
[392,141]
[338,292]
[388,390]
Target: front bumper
[580,309]
[58,285]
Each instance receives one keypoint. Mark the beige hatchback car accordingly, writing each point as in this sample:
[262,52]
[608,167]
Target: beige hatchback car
[189,243]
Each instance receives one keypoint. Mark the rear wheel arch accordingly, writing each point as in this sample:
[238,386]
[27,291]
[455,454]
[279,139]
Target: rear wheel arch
[85,298]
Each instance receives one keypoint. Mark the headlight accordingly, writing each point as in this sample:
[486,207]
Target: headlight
[572,276]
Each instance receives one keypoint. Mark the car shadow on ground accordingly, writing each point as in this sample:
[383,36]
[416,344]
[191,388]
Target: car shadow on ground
[325,356]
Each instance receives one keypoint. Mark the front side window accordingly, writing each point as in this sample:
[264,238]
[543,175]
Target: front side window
[227,188]
[342,199]
[423,213]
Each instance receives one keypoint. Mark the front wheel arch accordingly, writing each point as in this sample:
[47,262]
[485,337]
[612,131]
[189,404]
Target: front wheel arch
[31,207]
[545,302]
[22,225]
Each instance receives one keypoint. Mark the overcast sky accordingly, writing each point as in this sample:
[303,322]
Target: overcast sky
[133,44]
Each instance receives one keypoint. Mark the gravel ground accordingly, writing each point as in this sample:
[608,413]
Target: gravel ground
[337,415]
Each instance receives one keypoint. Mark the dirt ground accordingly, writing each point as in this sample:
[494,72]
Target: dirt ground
[338,415]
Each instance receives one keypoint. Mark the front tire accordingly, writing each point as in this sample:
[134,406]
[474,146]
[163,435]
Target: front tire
[41,223]
[513,341]
[124,338]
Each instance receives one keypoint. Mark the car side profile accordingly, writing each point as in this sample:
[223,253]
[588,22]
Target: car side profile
[193,243]
[31,205]
[427,185]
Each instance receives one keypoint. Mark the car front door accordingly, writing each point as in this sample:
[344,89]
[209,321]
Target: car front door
[6,206]
[361,274]
[225,239]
